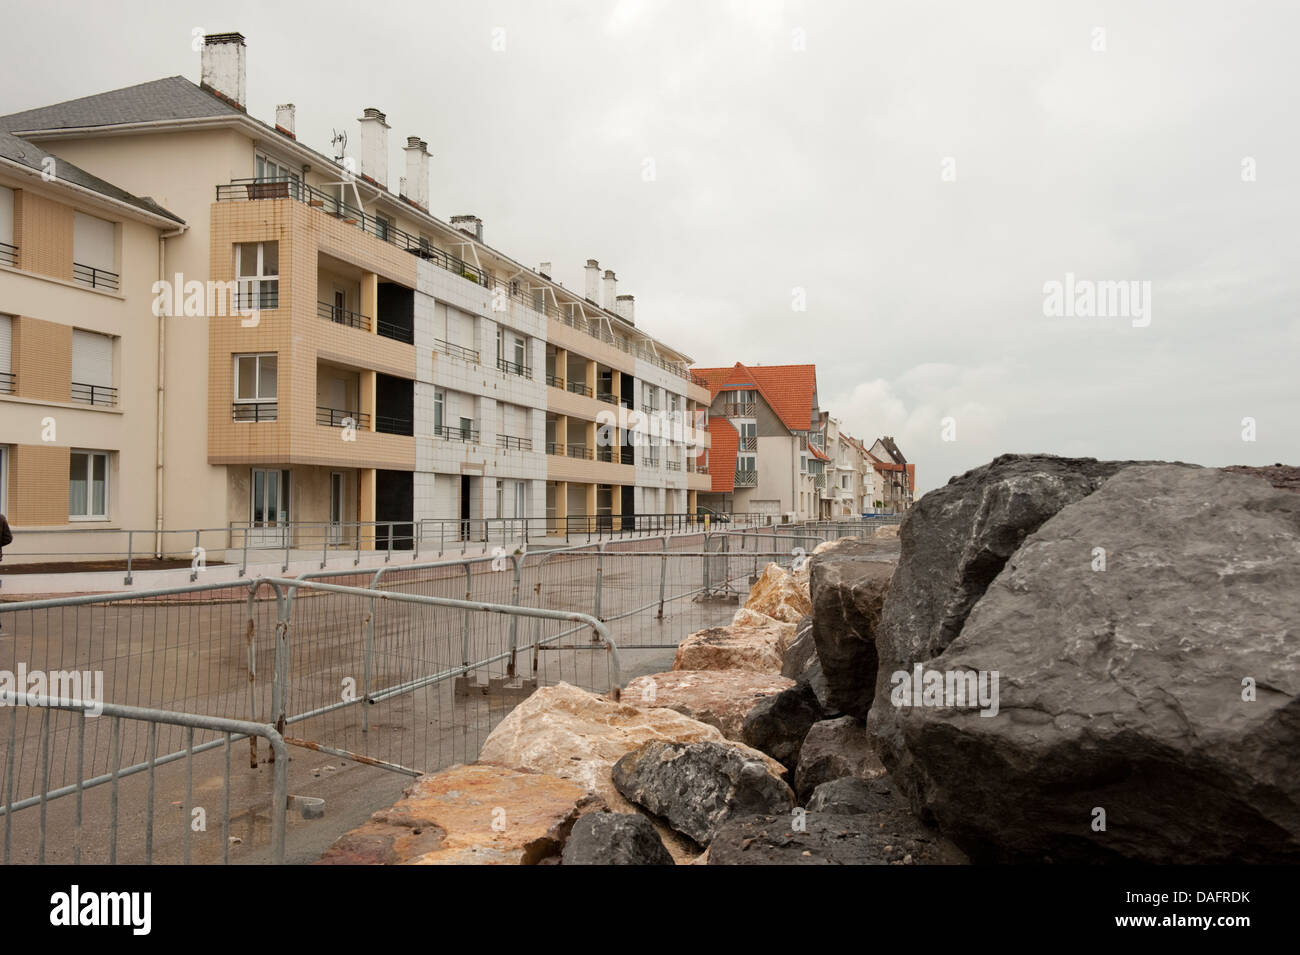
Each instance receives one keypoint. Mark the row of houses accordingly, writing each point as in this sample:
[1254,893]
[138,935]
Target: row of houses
[207,323]
[775,453]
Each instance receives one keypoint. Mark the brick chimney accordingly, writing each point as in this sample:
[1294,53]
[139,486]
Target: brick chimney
[593,280]
[223,66]
[417,171]
[285,117]
[374,146]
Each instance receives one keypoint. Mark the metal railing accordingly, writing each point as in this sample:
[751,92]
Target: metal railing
[103,395]
[456,433]
[343,316]
[398,333]
[389,424]
[746,479]
[7,381]
[455,351]
[747,442]
[255,411]
[514,368]
[8,255]
[262,299]
[95,278]
[336,418]
[578,388]
[512,443]
[740,409]
[555,381]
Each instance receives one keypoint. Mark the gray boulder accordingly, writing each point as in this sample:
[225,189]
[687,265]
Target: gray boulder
[614,838]
[777,724]
[1163,690]
[852,795]
[694,787]
[848,585]
[833,749]
[801,652]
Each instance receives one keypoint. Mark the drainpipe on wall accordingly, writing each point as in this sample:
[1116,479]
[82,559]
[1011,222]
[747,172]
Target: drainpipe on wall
[159,409]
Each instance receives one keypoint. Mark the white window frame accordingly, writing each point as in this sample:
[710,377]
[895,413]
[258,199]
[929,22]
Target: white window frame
[250,286]
[439,410]
[90,487]
[260,399]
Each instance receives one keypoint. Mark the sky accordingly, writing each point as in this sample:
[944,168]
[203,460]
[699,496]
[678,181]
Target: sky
[887,190]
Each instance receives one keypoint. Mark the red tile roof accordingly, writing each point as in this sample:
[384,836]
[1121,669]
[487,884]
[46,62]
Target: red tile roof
[789,390]
[817,454]
[722,455]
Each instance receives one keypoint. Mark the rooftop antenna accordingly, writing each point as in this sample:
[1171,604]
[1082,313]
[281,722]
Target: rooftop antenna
[340,140]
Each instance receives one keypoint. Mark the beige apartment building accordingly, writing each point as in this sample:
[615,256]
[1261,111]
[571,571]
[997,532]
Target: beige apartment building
[326,353]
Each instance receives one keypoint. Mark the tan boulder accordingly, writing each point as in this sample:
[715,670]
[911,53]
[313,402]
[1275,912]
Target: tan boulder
[745,617]
[886,530]
[579,736]
[721,698]
[735,647]
[780,594]
[476,814]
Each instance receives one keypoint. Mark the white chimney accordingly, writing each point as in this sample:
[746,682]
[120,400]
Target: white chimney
[471,225]
[611,290]
[593,280]
[544,269]
[223,66]
[374,146]
[285,119]
[417,172]
[626,308]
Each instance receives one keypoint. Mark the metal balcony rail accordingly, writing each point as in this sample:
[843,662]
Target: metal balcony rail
[626,456]
[248,189]
[819,480]
[263,298]
[580,451]
[740,409]
[400,333]
[578,388]
[343,316]
[389,424]
[673,465]
[254,410]
[456,351]
[455,433]
[746,479]
[514,368]
[336,418]
[512,443]
[555,381]
[8,254]
[103,395]
[7,380]
[93,277]
[748,442]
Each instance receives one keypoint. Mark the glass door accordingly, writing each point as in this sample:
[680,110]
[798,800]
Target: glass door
[269,508]
[336,508]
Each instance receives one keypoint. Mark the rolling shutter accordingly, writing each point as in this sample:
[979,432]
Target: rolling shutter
[92,358]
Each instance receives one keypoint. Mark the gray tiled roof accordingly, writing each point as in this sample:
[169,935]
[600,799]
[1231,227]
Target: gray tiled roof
[23,152]
[173,97]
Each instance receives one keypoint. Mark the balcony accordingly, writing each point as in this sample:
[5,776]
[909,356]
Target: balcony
[398,333]
[102,395]
[387,424]
[254,411]
[673,465]
[746,479]
[578,388]
[555,381]
[580,451]
[336,418]
[747,442]
[514,368]
[8,255]
[819,480]
[456,351]
[455,433]
[343,316]
[264,298]
[740,409]
[514,444]
[92,277]
[7,380]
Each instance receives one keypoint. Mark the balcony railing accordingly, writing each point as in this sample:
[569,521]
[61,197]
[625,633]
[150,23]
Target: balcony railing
[747,442]
[343,316]
[254,410]
[454,433]
[93,277]
[105,395]
[514,444]
[578,388]
[569,451]
[400,333]
[673,465]
[740,409]
[746,479]
[555,381]
[390,424]
[8,254]
[819,480]
[456,351]
[336,418]
[7,380]
[263,298]
[514,368]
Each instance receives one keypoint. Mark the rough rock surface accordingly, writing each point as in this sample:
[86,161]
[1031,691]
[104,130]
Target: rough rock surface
[886,531]
[779,594]
[849,585]
[721,698]
[850,795]
[886,834]
[777,724]
[614,838]
[477,814]
[833,749]
[695,787]
[744,617]
[576,735]
[1281,476]
[1122,689]
[734,647]
[800,651]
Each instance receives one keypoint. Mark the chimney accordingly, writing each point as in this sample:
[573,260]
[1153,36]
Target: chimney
[223,66]
[593,280]
[472,225]
[544,270]
[284,119]
[611,290]
[374,146]
[626,308]
[417,172]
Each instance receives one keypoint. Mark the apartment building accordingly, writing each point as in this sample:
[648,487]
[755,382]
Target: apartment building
[78,345]
[897,476]
[766,455]
[332,353]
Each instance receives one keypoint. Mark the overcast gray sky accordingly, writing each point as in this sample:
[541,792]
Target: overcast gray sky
[920,170]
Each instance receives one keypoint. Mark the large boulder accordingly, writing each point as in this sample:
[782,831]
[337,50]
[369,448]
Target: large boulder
[721,698]
[478,814]
[779,594]
[735,647]
[614,838]
[1284,477]
[848,796]
[1162,690]
[833,749]
[744,617]
[695,787]
[849,585]
[777,724]
[576,735]
[800,651]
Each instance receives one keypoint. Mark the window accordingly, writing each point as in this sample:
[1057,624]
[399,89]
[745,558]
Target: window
[512,352]
[268,170]
[381,227]
[438,402]
[88,485]
[92,368]
[256,387]
[4,479]
[746,462]
[257,268]
[94,251]
[6,355]
[466,428]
